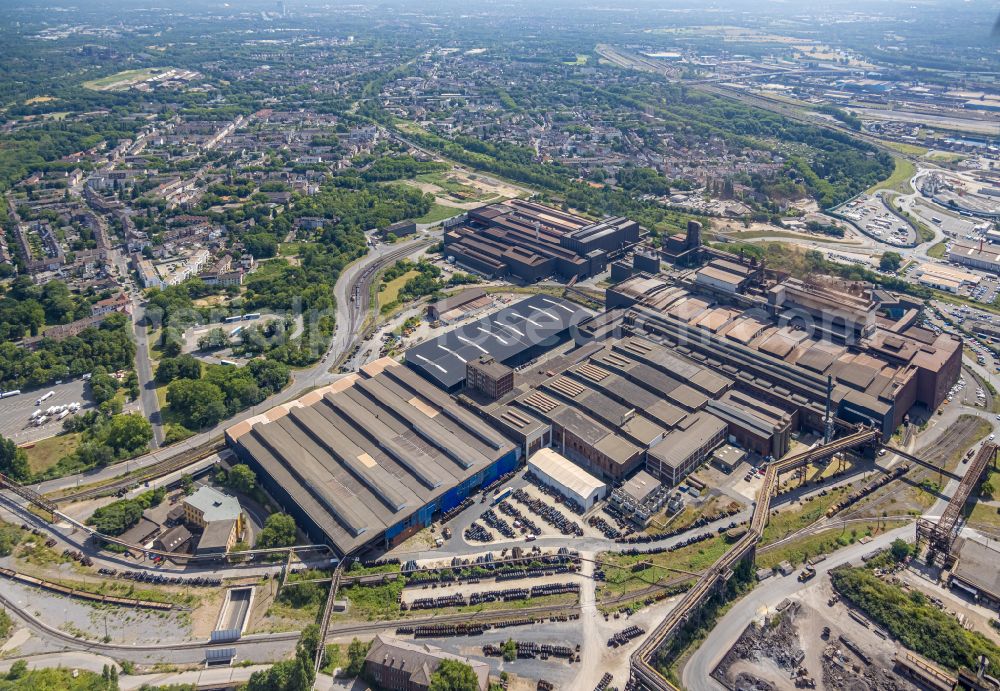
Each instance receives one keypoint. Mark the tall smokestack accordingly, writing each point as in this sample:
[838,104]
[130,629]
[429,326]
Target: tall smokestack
[693,235]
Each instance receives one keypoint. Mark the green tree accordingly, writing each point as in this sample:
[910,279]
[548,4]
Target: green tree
[103,387]
[356,653]
[308,643]
[288,675]
[13,460]
[181,367]
[890,261]
[452,675]
[278,531]
[900,549]
[198,403]
[17,670]
[242,478]
[128,434]
[297,674]
[171,347]
[213,340]
[509,650]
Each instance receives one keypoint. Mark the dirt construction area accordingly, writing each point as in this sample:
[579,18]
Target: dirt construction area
[813,642]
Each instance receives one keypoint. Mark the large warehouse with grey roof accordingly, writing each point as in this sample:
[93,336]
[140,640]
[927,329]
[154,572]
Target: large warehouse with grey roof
[372,458]
[512,336]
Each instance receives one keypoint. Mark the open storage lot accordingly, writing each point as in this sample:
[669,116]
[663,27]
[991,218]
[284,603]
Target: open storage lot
[15,412]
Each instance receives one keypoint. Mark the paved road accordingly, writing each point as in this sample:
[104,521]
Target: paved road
[696,673]
[144,369]
[349,318]
[764,597]
[591,646]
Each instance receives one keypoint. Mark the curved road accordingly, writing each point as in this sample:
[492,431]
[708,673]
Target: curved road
[696,675]
[348,320]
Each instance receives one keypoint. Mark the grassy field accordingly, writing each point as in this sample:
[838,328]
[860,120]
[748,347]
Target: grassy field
[908,149]
[581,59]
[166,415]
[754,234]
[800,515]
[290,249]
[447,182]
[985,517]
[390,293]
[335,657]
[44,454]
[824,542]
[438,212]
[938,250]
[688,516]
[122,80]
[946,157]
[284,617]
[899,181]
[696,558]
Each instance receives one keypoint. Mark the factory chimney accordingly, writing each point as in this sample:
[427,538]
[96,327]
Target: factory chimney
[693,235]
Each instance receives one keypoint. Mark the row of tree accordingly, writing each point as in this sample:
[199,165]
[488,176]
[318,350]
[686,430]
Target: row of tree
[222,391]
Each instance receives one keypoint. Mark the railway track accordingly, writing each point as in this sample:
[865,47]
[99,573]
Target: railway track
[643,671]
[360,295]
[460,618]
[629,60]
[152,472]
[954,439]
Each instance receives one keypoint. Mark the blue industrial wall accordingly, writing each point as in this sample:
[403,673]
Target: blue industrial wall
[454,496]
[424,517]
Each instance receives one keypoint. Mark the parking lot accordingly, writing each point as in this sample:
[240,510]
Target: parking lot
[15,412]
[986,291]
[874,218]
[232,330]
[954,226]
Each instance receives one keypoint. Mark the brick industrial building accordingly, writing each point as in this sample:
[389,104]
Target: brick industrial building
[523,240]
[397,665]
[786,342]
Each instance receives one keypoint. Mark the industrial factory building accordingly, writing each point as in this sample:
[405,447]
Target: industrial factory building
[511,337]
[523,240]
[566,477]
[459,305]
[371,459]
[975,571]
[623,405]
[979,255]
[789,346]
